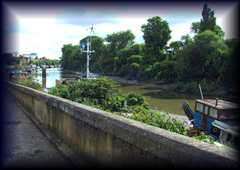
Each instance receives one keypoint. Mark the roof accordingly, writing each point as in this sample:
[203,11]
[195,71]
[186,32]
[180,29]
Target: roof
[230,127]
[221,104]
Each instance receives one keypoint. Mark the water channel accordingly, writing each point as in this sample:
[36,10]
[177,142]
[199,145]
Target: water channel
[149,91]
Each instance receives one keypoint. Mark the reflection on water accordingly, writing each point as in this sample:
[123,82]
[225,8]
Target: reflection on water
[152,93]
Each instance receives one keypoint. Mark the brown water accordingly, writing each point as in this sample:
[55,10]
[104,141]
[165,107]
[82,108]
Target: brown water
[153,95]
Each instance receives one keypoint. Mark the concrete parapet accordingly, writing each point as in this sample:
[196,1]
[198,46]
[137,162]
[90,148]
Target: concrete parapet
[112,140]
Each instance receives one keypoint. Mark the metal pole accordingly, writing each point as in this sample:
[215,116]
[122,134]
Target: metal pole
[87,74]
[200,91]
[88,51]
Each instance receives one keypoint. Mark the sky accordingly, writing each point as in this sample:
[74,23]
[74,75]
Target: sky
[44,29]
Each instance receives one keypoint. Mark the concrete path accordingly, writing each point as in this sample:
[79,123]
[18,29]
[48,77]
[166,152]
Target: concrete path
[24,144]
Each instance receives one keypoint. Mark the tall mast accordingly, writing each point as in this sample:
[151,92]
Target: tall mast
[89,51]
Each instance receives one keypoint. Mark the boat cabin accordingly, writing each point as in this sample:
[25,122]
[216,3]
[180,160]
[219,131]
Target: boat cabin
[209,110]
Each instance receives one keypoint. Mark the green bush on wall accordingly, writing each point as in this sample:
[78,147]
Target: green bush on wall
[29,82]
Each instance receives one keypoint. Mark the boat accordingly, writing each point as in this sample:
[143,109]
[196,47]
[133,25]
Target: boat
[215,117]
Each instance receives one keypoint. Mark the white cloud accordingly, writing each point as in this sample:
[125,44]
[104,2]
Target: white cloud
[122,24]
[46,37]
[178,30]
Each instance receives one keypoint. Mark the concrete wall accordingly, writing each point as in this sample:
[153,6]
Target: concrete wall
[113,140]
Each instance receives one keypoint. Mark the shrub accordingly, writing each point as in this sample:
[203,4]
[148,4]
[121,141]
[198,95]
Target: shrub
[102,94]
[159,119]
[29,82]
[60,90]
[134,99]
[205,138]
[167,70]
[208,87]
[115,103]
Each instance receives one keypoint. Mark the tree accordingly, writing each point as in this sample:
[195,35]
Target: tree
[175,47]
[196,27]
[186,40]
[120,39]
[117,43]
[230,67]
[156,35]
[168,71]
[208,22]
[72,58]
[96,58]
[203,58]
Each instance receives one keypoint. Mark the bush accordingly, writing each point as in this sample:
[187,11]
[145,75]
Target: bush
[159,119]
[102,94]
[168,71]
[29,82]
[134,99]
[135,59]
[61,90]
[205,138]
[208,87]
[115,103]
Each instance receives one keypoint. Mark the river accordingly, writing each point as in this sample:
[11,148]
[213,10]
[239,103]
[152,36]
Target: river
[149,91]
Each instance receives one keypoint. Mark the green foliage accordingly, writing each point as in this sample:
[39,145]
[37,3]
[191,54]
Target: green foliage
[29,82]
[72,58]
[195,27]
[159,119]
[115,103]
[205,138]
[175,47]
[121,39]
[208,22]
[61,90]
[203,57]
[168,71]
[99,89]
[116,42]
[208,87]
[156,35]
[134,99]
[97,57]
[135,59]
[41,62]
[101,93]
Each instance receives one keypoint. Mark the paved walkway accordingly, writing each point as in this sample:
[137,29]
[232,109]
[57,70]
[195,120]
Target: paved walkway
[24,144]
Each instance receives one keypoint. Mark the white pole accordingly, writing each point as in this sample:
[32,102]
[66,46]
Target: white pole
[88,51]
[87,74]
[200,91]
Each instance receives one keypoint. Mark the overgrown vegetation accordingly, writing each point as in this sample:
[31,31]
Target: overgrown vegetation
[205,138]
[159,119]
[102,93]
[29,82]
[205,57]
